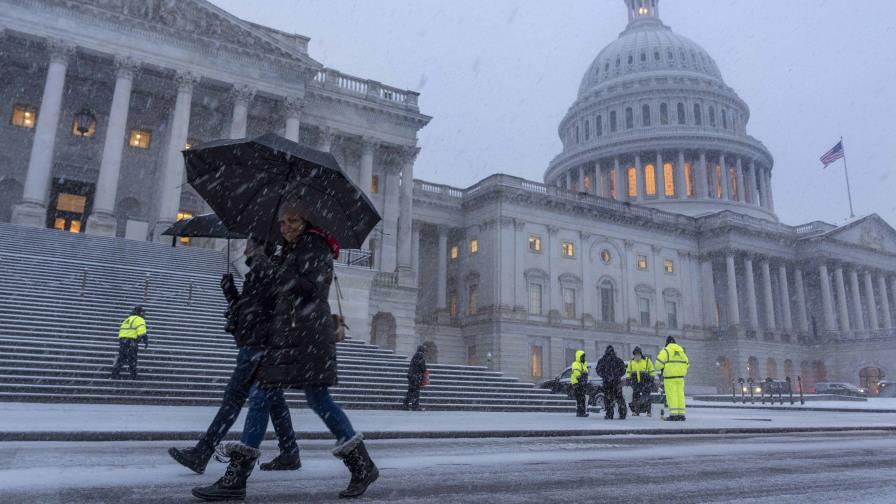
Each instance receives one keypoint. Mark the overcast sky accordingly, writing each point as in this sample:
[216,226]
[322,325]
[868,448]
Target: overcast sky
[498,75]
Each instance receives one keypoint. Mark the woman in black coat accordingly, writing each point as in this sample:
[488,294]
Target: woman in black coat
[415,379]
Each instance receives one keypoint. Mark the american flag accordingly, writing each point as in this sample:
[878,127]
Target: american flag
[832,155]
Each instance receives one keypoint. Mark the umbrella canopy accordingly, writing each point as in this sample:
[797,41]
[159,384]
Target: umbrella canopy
[245,181]
[202,226]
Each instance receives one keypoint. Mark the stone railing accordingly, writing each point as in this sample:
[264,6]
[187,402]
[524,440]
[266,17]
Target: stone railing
[386,279]
[867,335]
[813,228]
[335,80]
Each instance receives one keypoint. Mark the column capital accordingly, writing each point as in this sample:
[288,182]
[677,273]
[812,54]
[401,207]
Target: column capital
[552,230]
[126,67]
[185,80]
[507,222]
[520,224]
[294,106]
[369,144]
[409,154]
[241,94]
[60,50]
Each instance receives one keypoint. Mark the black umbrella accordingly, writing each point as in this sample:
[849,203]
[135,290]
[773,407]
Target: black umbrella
[245,181]
[204,226]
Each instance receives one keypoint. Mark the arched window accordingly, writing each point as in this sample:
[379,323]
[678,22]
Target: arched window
[821,372]
[689,178]
[724,118]
[712,116]
[664,113]
[732,180]
[577,133]
[587,130]
[753,368]
[650,180]
[613,127]
[607,301]
[681,115]
[629,118]
[668,179]
[631,59]
[643,56]
[632,182]
[788,369]
[645,115]
[599,126]
[698,115]
[771,369]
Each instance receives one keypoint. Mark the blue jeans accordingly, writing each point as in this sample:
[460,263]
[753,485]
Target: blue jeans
[319,400]
[263,404]
[235,395]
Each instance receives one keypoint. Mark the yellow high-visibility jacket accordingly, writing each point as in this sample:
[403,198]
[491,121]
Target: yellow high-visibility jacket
[578,368]
[640,370]
[132,327]
[672,361]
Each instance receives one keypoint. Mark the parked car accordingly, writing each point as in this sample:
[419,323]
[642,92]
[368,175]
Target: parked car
[560,384]
[840,388]
[886,389]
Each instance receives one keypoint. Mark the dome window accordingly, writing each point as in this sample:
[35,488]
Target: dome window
[681,115]
[599,126]
[656,55]
[643,56]
[607,67]
[684,56]
[613,127]
[587,130]
[631,59]
[670,54]
[664,114]
[629,118]
[712,116]
[617,62]
[645,116]
[724,118]
[698,115]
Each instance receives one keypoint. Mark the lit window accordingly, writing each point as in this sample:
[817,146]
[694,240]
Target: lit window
[374,184]
[59,224]
[23,116]
[75,226]
[569,302]
[669,266]
[642,262]
[454,252]
[184,240]
[535,243]
[452,304]
[644,309]
[672,314]
[473,299]
[568,249]
[91,129]
[689,178]
[140,139]
[535,304]
[536,360]
[642,11]
[632,182]
[474,246]
[650,180]
[605,256]
[668,179]
[71,203]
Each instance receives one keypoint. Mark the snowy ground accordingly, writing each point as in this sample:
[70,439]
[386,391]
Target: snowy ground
[873,403]
[854,468]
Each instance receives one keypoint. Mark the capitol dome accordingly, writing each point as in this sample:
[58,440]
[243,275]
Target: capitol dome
[655,124]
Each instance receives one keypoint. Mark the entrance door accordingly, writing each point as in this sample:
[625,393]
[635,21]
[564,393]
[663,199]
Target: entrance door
[70,204]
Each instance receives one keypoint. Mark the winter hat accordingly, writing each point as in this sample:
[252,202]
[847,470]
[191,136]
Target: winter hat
[610,350]
[138,310]
[421,349]
[670,339]
[637,351]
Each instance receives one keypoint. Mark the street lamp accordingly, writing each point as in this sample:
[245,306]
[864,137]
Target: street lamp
[84,121]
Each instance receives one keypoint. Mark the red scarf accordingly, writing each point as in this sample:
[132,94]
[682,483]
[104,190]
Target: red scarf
[330,239]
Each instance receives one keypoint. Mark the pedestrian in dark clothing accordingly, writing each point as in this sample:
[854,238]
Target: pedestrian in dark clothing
[611,369]
[248,320]
[301,353]
[415,379]
[130,333]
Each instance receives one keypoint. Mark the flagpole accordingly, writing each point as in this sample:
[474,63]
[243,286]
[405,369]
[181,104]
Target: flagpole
[846,172]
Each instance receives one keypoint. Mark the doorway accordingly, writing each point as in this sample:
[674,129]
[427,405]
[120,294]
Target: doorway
[70,204]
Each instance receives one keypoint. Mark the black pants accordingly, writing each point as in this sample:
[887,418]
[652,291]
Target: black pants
[127,352]
[613,395]
[578,391]
[641,397]
[412,398]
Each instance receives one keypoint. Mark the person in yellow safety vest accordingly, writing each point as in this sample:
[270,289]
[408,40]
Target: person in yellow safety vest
[579,379]
[673,363]
[640,374]
[130,334]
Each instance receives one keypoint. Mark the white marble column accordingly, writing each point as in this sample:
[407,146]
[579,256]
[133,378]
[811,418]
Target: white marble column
[173,171]
[621,181]
[741,188]
[709,293]
[325,140]
[750,281]
[293,106]
[768,295]
[415,251]
[241,95]
[785,297]
[442,294]
[842,306]
[681,183]
[569,186]
[872,303]
[581,182]
[859,318]
[660,177]
[733,304]
[32,210]
[756,198]
[725,179]
[701,186]
[102,219]
[768,188]
[802,318]
[390,220]
[368,149]
[406,201]
[884,301]
[762,189]
[827,298]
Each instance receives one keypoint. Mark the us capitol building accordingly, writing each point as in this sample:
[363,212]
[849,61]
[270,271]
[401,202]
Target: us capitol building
[657,218]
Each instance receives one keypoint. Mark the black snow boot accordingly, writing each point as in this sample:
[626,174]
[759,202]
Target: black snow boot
[364,472]
[283,462]
[194,459]
[232,486]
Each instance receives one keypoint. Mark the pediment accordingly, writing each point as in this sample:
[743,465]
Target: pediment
[871,231]
[196,18]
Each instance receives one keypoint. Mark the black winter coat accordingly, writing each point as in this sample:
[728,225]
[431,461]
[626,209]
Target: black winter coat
[301,349]
[610,368]
[252,308]
[418,366]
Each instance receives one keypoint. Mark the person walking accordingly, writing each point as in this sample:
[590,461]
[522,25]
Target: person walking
[301,354]
[611,369]
[130,333]
[415,379]
[673,363]
[579,380]
[248,319]
[640,374]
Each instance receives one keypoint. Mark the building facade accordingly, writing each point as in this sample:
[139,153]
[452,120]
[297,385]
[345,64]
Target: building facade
[657,218]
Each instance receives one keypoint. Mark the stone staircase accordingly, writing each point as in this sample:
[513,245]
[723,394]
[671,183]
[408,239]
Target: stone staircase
[62,296]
